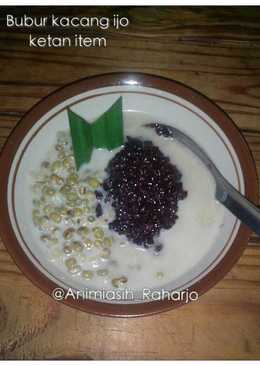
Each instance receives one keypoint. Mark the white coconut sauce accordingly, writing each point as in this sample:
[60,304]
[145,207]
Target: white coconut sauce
[184,245]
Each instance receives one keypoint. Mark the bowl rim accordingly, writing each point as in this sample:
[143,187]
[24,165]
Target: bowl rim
[120,79]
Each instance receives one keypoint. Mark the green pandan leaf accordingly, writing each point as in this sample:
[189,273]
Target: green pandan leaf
[99,133]
[81,138]
[104,133]
[108,128]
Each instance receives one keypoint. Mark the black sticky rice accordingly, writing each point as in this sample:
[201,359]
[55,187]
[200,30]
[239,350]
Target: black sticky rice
[144,188]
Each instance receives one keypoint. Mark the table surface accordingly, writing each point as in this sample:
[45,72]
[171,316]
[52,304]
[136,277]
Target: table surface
[214,50]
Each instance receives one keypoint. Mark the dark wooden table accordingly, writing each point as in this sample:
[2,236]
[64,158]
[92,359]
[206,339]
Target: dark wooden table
[214,50]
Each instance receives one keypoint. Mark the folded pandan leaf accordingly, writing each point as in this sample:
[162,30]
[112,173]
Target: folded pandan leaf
[104,133]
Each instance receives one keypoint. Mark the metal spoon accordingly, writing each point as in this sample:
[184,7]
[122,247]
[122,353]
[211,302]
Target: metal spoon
[225,193]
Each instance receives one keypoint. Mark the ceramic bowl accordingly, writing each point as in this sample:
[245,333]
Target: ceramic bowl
[162,99]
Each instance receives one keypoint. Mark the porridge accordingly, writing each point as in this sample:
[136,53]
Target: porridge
[104,228]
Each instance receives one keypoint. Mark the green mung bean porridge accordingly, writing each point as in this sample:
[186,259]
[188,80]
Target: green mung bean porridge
[72,216]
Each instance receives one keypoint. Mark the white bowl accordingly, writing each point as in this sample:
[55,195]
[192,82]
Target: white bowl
[162,100]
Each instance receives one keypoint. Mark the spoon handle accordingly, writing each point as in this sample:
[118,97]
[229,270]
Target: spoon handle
[243,209]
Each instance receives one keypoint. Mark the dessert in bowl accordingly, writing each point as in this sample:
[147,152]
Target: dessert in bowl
[140,216]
